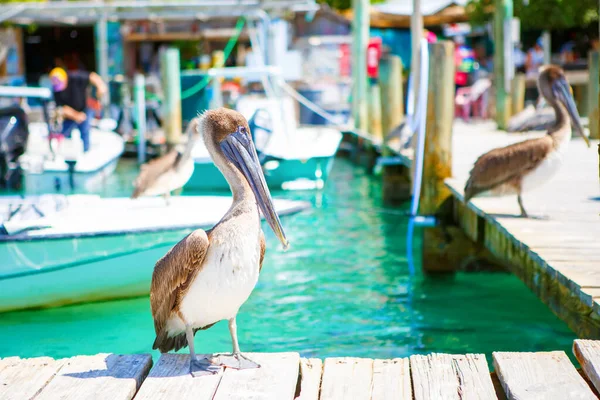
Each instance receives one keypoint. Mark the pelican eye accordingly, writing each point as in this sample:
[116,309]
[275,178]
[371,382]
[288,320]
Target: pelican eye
[242,129]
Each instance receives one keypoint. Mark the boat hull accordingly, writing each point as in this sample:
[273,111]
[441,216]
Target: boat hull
[60,181]
[279,174]
[75,270]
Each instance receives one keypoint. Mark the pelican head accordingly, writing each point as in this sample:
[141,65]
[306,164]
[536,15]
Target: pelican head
[553,85]
[228,140]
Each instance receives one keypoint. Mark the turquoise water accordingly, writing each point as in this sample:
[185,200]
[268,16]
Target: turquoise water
[343,289]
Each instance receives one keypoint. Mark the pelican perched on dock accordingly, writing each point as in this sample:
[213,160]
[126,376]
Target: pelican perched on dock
[523,166]
[207,276]
[169,172]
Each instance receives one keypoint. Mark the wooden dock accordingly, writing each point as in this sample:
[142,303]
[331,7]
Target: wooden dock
[558,255]
[542,375]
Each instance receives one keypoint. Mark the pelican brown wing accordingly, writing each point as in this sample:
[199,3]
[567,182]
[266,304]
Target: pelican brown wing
[504,164]
[172,275]
[150,171]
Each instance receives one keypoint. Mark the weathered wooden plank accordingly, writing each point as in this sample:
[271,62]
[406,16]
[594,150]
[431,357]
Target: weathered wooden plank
[24,378]
[347,378]
[276,379]
[171,379]
[391,380]
[588,355]
[446,376]
[311,371]
[106,376]
[544,375]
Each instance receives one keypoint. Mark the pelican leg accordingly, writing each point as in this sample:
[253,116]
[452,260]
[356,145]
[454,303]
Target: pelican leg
[198,367]
[236,359]
[523,212]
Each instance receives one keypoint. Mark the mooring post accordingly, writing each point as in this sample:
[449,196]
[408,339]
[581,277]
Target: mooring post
[392,96]
[172,89]
[594,94]
[437,157]
[140,107]
[375,125]
[518,93]
[503,13]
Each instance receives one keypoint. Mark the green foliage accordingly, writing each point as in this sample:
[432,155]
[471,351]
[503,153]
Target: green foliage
[343,4]
[540,14]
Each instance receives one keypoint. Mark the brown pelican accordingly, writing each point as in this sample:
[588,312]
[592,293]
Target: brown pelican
[523,166]
[207,276]
[169,172]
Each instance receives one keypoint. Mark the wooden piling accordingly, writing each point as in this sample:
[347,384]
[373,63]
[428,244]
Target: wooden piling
[437,161]
[502,15]
[375,125]
[518,93]
[171,81]
[594,94]
[392,96]
[437,158]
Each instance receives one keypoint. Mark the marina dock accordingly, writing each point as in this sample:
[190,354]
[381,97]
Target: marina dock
[528,375]
[556,253]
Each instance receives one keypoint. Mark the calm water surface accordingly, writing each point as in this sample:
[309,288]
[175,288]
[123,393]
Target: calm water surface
[344,288]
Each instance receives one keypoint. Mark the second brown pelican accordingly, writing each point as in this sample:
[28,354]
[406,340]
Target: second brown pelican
[520,167]
[169,172]
[208,275]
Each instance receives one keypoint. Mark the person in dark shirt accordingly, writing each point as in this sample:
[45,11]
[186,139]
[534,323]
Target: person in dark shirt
[70,95]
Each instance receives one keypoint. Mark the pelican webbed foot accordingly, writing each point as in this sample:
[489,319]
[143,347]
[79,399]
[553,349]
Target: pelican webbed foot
[202,367]
[234,360]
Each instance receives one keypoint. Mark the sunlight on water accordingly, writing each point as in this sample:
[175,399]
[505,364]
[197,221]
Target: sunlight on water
[342,289]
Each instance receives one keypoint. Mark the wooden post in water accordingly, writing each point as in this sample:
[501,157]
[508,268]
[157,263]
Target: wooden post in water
[392,103]
[360,40]
[172,88]
[375,126]
[594,94]
[437,159]
[503,13]
[518,93]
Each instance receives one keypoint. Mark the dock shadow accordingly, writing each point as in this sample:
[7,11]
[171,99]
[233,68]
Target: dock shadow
[118,366]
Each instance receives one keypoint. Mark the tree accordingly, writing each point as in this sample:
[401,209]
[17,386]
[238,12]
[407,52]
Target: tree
[540,14]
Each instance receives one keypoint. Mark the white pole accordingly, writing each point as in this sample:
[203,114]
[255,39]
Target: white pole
[102,42]
[416,33]
[140,104]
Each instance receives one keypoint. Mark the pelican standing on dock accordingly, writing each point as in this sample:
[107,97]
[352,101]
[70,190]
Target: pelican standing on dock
[523,166]
[169,172]
[207,276]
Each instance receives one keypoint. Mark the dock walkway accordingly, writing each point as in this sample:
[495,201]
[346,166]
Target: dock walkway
[557,254]
[541,375]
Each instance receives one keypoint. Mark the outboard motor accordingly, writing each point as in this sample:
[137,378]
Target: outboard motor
[14,134]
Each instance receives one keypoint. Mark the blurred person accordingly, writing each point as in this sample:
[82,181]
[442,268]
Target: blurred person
[70,94]
[519,58]
[464,58]
[535,58]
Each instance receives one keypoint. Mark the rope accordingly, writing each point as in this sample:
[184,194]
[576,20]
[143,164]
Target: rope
[228,48]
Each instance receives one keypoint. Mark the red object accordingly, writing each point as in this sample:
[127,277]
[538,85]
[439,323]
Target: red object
[345,60]
[373,56]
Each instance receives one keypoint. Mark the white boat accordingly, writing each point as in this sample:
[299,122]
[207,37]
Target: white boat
[292,156]
[58,164]
[47,170]
[87,248]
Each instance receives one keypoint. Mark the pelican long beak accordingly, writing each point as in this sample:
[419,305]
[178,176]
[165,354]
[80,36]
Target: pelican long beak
[239,149]
[562,90]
